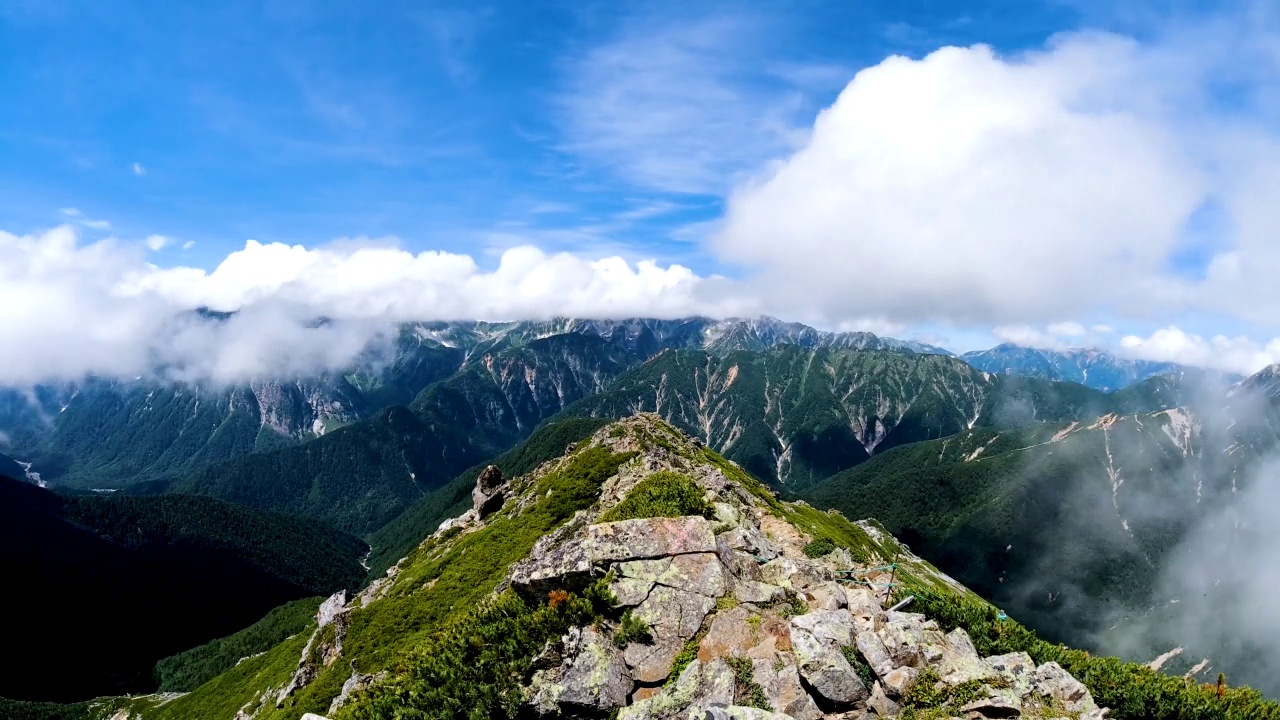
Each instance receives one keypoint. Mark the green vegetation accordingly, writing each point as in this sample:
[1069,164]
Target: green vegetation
[687,654]
[927,692]
[188,670]
[1132,691]
[631,629]
[474,667]
[860,666]
[819,548]
[661,494]
[402,534]
[746,690]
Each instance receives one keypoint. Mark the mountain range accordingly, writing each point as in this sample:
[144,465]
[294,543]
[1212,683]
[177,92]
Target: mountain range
[1065,504]
[642,575]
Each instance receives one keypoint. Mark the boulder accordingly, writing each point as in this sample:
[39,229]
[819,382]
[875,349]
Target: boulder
[758,593]
[673,616]
[353,685]
[816,639]
[899,680]
[992,707]
[881,704]
[911,639]
[697,572]
[648,538]
[489,493]
[593,676]
[740,632]
[872,649]
[960,661]
[698,687]
[781,684]
[825,596]
[1016,669]
[1051,681]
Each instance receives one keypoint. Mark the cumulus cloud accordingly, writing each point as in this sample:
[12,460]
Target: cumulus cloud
[73,309]
[1231,354]
[188,244]
[156,243]
[976,189]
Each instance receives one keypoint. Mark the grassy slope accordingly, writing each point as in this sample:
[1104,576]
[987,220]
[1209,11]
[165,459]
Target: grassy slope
[188,670]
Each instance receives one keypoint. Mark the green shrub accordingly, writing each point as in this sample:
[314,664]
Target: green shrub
[746,690]
[662,494]
[475,667]
[819,547]
[631,629]
[863,670]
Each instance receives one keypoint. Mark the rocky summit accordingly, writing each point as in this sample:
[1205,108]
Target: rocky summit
[710,598]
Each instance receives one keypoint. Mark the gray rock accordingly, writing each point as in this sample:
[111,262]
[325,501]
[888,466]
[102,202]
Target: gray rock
[750,591]
[782,687]
[593,676]
[816,644]
[648,538]
[742,632]
[631,591]
[825,596]
[1050,680]
[899,680]
[1016,669]
[960,662]
[353,685]
[828,625]
[872,649]
[699,686]
[313,716]
[911,639]
[673,616]
[993,707]
[881,704]
[698,572]
[489,493]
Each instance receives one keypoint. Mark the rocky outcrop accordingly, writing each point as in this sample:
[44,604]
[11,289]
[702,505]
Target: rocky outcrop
[739,616]
[489,492]
[324,646]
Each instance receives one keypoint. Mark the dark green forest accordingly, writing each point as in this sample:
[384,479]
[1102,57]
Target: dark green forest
[103,587]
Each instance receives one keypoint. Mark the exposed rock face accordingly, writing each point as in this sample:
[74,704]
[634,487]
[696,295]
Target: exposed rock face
[323,648]
[592,676]
[489,492]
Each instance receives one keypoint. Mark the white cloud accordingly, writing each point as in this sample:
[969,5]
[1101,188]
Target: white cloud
[679,104]
[971,188]
[1230,354]
[96,224]
[1028,336]
[974,189]
[76,309]
[1102,329]
[138,169]
[70,212]
[156,243]
[188,244]
[1068,329]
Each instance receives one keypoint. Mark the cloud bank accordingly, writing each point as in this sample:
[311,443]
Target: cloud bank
[68,309]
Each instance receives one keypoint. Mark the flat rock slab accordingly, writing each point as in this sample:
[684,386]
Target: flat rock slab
[648,538]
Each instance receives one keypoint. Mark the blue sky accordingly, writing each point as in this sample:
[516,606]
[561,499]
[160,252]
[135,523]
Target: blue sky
[1063,172]
[450,126]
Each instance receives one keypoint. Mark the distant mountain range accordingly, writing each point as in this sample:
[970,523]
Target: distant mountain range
[1092,368]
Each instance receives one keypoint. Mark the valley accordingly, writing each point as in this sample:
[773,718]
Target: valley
[1062,504]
